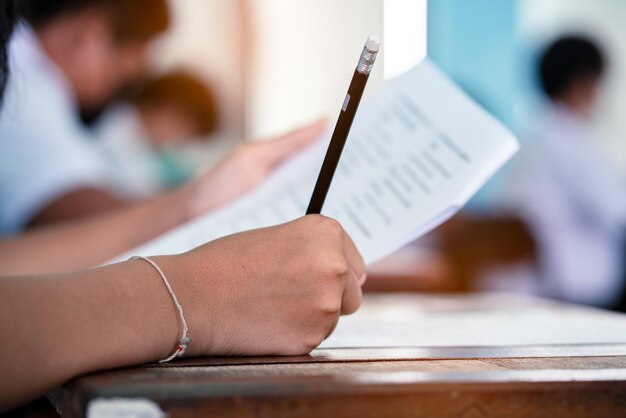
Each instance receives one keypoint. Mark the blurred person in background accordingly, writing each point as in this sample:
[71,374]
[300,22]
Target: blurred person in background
[142,136]
[565,187]
[73,54]
[69,54]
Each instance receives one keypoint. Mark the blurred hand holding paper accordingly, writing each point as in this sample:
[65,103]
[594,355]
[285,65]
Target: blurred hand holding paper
[418,150]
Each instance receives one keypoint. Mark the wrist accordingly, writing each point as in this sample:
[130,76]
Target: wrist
[191,282]
[131,319]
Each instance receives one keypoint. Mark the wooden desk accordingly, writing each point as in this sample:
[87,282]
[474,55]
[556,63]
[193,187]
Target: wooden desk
[573,379]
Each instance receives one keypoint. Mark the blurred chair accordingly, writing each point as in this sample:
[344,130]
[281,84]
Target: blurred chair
[474,245]
[453,257]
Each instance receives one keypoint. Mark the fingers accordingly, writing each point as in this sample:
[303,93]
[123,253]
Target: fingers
[351,299]
[332,237]
[276,150]
[355,260]
[352,293]
[332,329]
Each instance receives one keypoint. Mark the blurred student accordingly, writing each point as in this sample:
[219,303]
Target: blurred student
[566,189]
[70,54]
[141,135]
[56,327]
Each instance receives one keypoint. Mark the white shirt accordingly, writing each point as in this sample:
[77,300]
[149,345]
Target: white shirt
[575,204]
[45,152]
[133,162]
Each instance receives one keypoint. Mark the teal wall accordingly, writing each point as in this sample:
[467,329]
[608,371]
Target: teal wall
[476,43]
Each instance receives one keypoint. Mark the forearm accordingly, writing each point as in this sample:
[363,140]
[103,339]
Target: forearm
[77,204]
[56,327]
[89,242]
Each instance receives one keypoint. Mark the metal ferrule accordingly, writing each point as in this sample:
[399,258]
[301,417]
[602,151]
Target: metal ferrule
[366,62]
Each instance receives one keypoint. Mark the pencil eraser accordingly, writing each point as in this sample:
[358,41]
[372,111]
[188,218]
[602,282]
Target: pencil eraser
[373,43]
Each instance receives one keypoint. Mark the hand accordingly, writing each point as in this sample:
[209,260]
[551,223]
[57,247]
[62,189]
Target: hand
[247,166]
[271,291]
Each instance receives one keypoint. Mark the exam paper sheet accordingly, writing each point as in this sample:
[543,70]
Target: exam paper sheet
[482,320]
[418,150]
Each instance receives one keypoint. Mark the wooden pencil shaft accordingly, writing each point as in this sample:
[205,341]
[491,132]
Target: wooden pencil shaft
[337,142]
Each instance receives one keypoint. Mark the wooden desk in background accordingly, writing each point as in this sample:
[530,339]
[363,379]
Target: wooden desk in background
[528,360]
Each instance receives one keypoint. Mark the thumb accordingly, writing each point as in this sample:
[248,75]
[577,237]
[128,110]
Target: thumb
[275,150]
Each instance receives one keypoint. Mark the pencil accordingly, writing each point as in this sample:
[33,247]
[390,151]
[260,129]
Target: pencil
[344,123]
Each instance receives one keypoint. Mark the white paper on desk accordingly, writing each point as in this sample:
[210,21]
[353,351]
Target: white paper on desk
[418,150]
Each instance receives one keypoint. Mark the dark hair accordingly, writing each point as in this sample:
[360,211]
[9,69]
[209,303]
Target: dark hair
[8,18]
[567,60]
[139,20]
[186,93]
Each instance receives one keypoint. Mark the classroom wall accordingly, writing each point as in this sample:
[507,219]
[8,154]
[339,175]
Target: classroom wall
[475,42]
[304,56]
[277,63]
